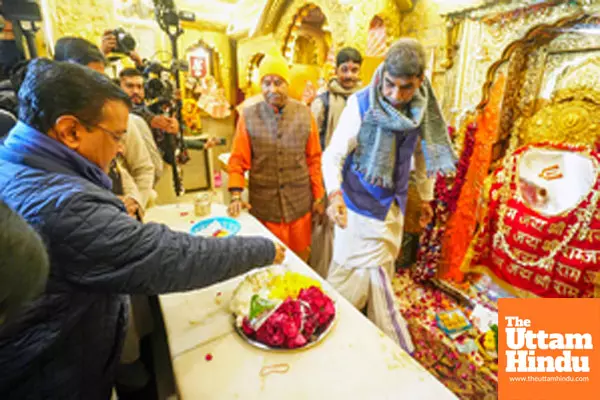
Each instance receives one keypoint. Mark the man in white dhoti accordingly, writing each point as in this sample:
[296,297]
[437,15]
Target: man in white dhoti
[366,169]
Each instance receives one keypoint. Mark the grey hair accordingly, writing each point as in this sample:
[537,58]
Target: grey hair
[405,58]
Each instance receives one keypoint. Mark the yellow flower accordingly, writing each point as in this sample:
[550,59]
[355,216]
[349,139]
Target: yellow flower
[290,284]
[489,340]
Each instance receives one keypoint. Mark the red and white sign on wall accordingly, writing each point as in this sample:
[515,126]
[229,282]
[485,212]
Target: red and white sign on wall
[199,65]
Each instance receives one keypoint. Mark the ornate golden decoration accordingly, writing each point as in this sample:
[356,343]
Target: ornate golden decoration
[335,13]
[527,58]
[269,20]
[509,109]
[348,23]
[570,41]
[85,18]
[535,37]
[452,36]
[573,117]
[292,43]
[248,52]
[484,47]
[202,25]
[404,5]
[584,74]
[554,67]
[388,13]
[425,24]
[535,72]
[252,65]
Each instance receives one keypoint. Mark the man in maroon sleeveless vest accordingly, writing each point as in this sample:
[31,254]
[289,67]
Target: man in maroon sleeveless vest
[277,141]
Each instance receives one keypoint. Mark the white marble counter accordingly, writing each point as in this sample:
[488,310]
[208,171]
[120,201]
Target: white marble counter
[355,361]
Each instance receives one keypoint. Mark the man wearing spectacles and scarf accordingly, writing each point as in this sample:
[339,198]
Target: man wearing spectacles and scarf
[366,168]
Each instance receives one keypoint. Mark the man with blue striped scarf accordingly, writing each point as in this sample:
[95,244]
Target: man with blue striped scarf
[366,170]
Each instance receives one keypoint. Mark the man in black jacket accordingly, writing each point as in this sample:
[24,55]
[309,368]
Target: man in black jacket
[23,263]
[53,165]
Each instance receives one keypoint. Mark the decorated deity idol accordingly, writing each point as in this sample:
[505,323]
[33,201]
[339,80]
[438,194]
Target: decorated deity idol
[541,233]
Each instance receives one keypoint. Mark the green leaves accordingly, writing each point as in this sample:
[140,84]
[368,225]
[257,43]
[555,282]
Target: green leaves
[495,329]
[259,305]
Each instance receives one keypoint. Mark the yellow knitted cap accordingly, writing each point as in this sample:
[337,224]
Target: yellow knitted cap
[274,65]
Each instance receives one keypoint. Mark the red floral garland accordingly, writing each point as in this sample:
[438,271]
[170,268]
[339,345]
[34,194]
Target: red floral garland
[430,248]
[449,196]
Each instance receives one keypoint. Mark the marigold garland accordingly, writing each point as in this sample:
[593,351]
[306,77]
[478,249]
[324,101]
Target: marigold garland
[461,225]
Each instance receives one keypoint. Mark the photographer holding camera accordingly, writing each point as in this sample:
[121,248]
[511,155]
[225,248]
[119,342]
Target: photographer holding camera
[121,42]
[132,83]
[132,79]
[157,100]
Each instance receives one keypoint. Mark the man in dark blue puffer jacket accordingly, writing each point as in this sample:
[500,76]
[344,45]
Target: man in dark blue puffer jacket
[66,344]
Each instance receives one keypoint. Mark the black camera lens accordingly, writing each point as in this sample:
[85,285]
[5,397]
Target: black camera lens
[125,42]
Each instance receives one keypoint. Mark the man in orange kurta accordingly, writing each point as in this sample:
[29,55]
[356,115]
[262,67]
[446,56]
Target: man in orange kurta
[277,141]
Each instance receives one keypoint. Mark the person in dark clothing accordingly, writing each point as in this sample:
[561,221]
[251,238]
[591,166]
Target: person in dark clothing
[8,96]
[10,53]
[132,83]
[67,343]
[23,263]
[11,59]
[79,51]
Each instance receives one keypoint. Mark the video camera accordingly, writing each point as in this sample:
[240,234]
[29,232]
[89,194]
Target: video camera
[169,21]
[125,42]
[159,86]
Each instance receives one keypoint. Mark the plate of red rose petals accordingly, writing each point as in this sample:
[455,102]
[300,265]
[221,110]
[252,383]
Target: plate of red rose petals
[277,309]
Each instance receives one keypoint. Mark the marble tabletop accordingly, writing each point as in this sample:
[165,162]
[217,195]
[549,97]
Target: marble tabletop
[211,361]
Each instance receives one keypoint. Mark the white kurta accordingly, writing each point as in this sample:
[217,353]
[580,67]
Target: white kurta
[139,123]
[137,168]
[370,242]
[365,251]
